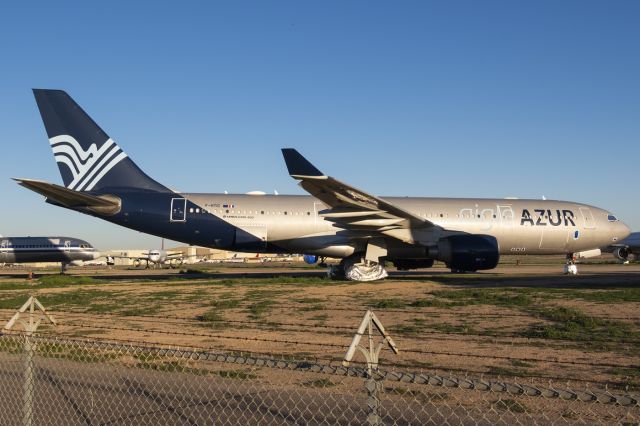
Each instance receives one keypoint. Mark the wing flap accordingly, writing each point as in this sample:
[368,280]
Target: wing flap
[346,213]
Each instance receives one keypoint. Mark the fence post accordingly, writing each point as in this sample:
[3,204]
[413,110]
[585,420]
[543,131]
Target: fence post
[371,355]
[373,387]
[29,347]
[28,384]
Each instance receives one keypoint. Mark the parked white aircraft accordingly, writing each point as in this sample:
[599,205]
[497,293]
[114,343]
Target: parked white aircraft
[159,257]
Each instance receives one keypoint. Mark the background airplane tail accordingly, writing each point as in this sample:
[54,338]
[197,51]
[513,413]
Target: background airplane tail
[88,159]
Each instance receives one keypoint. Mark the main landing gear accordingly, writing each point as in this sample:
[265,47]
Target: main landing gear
[570,267]
[356,268]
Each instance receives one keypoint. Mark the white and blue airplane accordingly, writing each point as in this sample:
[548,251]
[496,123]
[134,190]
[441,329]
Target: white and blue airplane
[336,220]
[66,250]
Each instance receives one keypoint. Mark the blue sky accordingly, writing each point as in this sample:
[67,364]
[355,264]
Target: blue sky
[424,98]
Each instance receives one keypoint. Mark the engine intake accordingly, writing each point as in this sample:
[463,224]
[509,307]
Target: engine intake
[624,254]
[310,259]
[469,252]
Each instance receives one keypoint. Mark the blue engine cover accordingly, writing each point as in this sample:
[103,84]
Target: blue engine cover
[310,258]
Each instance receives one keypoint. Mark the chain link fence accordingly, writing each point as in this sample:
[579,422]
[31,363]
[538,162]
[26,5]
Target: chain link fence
[53,380]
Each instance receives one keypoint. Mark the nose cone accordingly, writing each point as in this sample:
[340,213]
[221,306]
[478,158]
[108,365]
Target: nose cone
[619,231]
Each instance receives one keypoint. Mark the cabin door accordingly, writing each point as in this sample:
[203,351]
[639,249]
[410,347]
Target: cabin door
[587,218]
[506,220]
[4,249]
[178,210]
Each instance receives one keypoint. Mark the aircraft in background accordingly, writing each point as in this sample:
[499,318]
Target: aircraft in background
[66,250]
[626,250]
[158,257]
[337,220]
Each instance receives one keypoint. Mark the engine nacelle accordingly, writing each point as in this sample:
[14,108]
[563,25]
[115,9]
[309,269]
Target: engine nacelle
[407,264]
[310,259]
[466,252]
[622,253]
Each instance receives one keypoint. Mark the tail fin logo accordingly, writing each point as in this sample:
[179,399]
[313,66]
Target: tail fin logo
[87,167]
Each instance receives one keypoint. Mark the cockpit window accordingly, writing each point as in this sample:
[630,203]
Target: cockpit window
[612,218]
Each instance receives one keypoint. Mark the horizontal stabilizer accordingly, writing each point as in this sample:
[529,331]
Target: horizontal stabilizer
[102,204]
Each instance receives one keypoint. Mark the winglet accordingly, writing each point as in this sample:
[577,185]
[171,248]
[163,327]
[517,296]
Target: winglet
[298,165]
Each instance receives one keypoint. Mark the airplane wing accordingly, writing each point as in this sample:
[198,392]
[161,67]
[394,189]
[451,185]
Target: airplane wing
[147,256]
[351,208]
[142,256]
[57,194]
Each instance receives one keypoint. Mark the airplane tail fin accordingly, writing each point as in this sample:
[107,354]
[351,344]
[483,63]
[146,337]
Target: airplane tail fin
[88,159]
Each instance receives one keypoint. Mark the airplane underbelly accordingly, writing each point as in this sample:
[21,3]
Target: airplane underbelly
[321,244]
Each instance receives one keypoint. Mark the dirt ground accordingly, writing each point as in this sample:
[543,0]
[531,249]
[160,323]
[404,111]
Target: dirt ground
[525,320]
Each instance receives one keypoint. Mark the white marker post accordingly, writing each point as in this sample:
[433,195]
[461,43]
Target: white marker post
[371,354]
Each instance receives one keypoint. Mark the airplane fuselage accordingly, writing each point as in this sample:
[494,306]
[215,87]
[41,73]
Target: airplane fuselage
[45,249]
[294,224]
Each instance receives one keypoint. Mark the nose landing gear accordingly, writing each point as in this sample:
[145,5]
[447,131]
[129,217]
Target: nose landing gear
[570,267]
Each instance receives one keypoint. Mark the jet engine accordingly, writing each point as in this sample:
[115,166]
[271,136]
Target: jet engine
[466,252]
[622,253]
[310,259]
